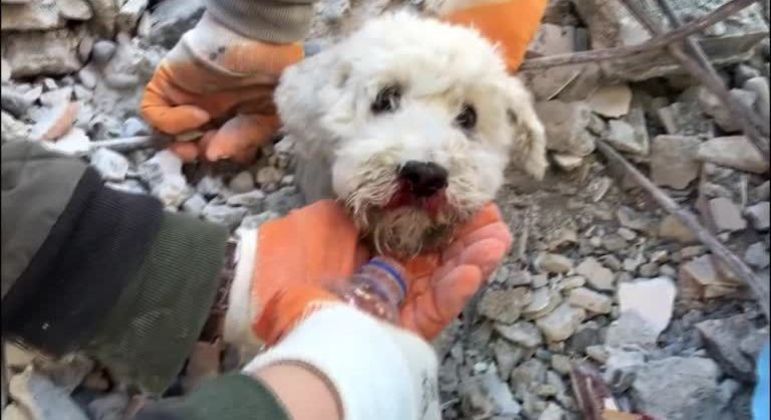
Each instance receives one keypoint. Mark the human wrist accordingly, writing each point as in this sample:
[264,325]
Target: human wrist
[304,391]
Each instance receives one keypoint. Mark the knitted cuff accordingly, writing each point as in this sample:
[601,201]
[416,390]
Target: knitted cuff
[157,319]
[92,251]
[274,21]
[232,397]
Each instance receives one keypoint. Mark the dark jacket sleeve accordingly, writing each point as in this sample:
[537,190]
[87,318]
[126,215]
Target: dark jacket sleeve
[85,267]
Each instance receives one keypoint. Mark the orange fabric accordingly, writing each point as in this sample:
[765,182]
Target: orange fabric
[231,96]
[510,24]
[302,256]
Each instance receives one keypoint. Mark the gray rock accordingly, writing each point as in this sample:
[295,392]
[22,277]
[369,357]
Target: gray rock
[672,228]
[31,15]
[678,388]
[561,363]
[544,301]
[650,269]
[685,119]
[726,215]
[14,102]
[611,101]
[506,356]
[129,15]
[759,86]
[757,256]
[75,9]
[254,221]
[224,214]
[630,329]
[621,135]
[527,376]
[614,242]
[567,162]
[252,200]
[134,126]
[43,53]
[735,152]
[566,126]
[621,368]
[721,337]
[172,18]
[759,215]
[553,263]
[762,192]
[596,274]
[283,200]
[590,300]
[631,219]
[714,107]
[587,334]
[105,12]
[112,165]
[522,333]
[13,129]
[42,399]
[194,205]
[505,305]
[673,160]
[241,183]
[609,24]
[651,299]
[211,186]
[553,412]
[560,324]
[163,173]
[552,39]
[743,73]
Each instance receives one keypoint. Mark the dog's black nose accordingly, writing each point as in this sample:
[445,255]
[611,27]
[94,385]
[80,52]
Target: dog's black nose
[424,178]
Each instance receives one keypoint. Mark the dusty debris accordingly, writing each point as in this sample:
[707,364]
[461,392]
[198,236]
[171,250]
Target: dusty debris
[734,152]
[652,299]
[611,101]
[553,263]
[699,278]
[590,300]
[560,324]
[726,215]
[673,161]
[721,337]
[505,305]
[598,276]
[566,125]
[759,215]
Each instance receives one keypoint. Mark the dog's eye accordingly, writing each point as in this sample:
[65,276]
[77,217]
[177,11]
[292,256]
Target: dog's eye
[467,118]
[387,100]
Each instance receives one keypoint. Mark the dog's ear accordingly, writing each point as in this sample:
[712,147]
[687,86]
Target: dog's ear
[529,141]
[312,101]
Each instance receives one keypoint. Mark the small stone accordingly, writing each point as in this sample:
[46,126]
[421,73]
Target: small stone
[113,166]
[56,96]
[528,375]
[521,333]
[253,200]
[759,86]
[87,77]
[103,51]
[211,186]
[598,353]
[74,9]
[505,305]
[571,282]
[560,324]
[715,108]
[631,219]
[553,263]
[254,221]
[630,329]
[735,152]
[36,53]
[223,214]
[15,102]
[75,142]
[590,300]
[506,356]
[544,301]
[242,182]
[552,39]
[129,15]
[667,271]
[678,388]
[700,278]
[757,256]
[613,242]
[596,274]
[762,192]
[760,215]
[561,364]
[650,269]
[13,129]
[539,280]
[566,126]
[631,264]
[743,73]
[672,228]
[673,160]
[269,176]
[611,101]
[134,126]
[726,215]
[567,162]
[627,234]
[173,18]
[194,205]
[621,367]
[721,337]
[163,173]
[31,15]
[652,299]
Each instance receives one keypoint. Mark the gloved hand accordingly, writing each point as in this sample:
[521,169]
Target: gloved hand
[288,265]
[511,24]
[218,83]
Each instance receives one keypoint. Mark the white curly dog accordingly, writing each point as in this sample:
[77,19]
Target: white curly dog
[411,123]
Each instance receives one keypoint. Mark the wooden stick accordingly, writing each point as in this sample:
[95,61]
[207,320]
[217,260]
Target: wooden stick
[732,262]
[752,125]
[658,42]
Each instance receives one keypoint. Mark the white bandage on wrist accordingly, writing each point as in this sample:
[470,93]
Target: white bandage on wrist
[379,371]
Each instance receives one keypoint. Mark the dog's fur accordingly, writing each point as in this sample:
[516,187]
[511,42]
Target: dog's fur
[326,101]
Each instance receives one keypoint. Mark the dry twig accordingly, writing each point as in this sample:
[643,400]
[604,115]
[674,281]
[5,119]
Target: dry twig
[732,262]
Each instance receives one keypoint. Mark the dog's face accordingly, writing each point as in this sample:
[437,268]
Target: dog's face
[418,120]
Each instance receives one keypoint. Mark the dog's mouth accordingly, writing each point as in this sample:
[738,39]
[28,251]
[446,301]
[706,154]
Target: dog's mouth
[406,196]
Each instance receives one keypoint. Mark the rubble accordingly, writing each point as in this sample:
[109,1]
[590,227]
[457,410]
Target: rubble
[757,256]
[631,330]
[111,165]
[726,215]
[624,138]
[672,228]
[505,305]
[611,101]
[734,152]
[590,300]
[566,125]
[652,299]
[759,215]
[50,52]
[759,86]
[561,323]
[521,333]
[553,263]
[712,105]
[700,279]
[598,276]
[673,160]
[721,337]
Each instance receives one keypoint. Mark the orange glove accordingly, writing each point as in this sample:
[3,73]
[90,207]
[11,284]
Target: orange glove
[218,83]
[300,257]
[511,24]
